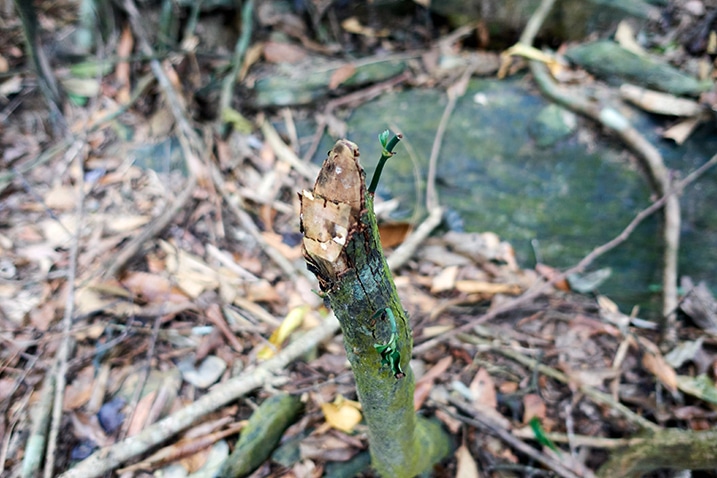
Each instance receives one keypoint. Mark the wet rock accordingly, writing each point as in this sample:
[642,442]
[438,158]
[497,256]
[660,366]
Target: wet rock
[552,124]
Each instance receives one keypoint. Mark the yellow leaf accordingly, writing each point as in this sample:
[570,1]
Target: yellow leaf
[291,322]
[342,414]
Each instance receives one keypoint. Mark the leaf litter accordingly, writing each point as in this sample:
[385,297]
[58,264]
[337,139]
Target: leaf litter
[203,302]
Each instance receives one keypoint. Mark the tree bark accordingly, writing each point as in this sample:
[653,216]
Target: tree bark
[342,247]
[671,449]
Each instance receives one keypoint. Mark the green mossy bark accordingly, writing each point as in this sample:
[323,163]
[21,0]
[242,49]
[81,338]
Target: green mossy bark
[402,445]
[261,435]
[670,449]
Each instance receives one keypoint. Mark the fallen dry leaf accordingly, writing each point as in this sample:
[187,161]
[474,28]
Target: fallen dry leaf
[326,448]
[342,74]
[342,414]
[466,466]
[152,288]
[394,233]
[656,364]
[425,384]
[192,274]
[533,407]
[291,322]
[445,280]
[483,389]
[282,52]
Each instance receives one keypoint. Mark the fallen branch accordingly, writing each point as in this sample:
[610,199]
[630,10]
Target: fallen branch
[672,449]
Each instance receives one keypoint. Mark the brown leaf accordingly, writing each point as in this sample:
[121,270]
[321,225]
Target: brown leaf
[533,407]
[78,393]
[445,280]
[326,448]
[281,52]
[425,384]
[656,364]
[152,288]
[394,233]
[483,389]
[141,414]
[341,74]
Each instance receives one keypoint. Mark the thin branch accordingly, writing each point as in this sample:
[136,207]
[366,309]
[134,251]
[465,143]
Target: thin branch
[406,250]
[247,14]
[285,153]
[455,91]
[192,149]
[67,343]
[248,224]
[582,440]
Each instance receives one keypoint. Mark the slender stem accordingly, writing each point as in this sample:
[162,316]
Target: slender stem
[386,154]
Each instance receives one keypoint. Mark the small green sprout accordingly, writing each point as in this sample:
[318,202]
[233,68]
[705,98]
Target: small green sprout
[389,353]
[386,153]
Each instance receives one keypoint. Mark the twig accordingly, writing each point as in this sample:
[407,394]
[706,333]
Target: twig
[406,250]
[455,91]
[286,154]
[247,14]
[40,417]
[483,421]
[67,343]
[111,457]
[352,99]
[582,440]
[536,291]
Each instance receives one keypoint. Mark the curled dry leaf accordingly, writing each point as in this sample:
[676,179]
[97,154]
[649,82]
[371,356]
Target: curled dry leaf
[291,322]
[340,75]
[656,364]
[342,414]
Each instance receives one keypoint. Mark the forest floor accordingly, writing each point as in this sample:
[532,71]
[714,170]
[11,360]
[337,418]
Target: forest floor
[128,290]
